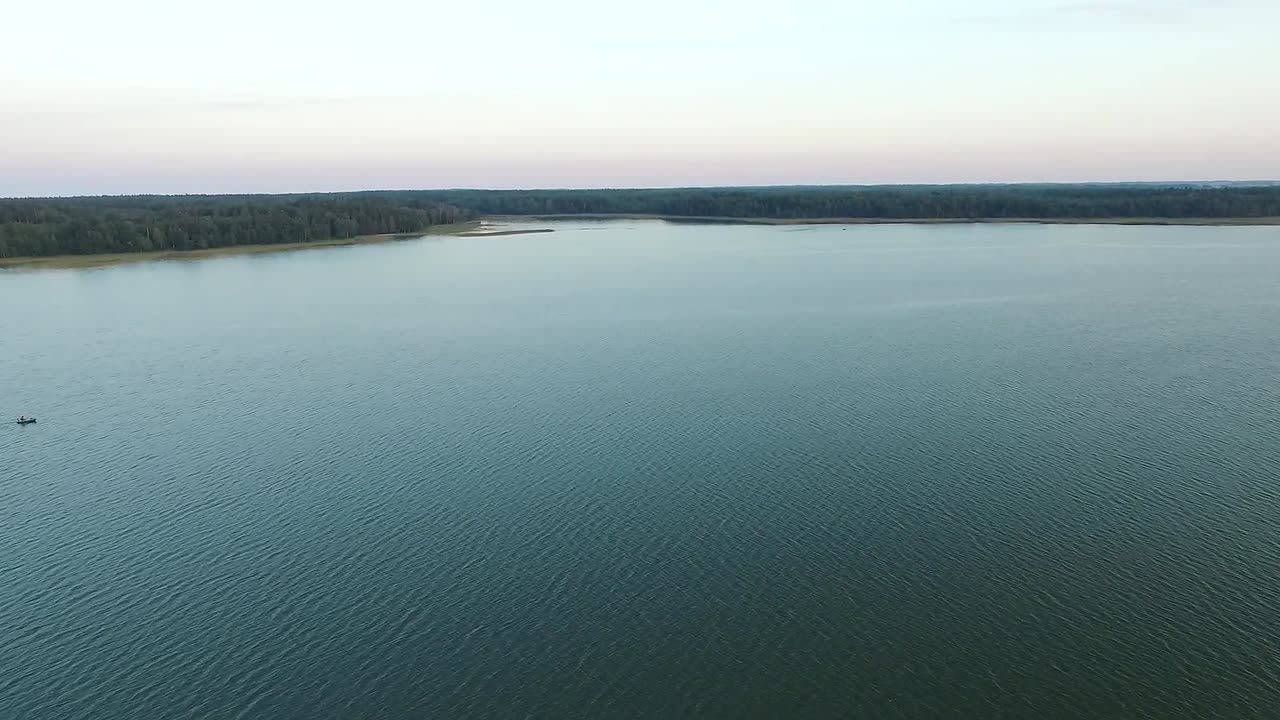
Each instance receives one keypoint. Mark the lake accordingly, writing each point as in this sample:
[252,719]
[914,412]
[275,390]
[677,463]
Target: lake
[641,470]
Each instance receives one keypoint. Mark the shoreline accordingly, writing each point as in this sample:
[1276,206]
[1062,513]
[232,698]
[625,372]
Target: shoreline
[724,220]
[75,262]
[477,229]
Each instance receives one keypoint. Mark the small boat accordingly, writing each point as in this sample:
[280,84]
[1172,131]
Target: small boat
[24,420]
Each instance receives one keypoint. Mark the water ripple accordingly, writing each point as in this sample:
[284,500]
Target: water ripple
[641,470]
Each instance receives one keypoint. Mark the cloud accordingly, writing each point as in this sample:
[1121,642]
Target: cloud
[145,101]
[250,102]
[1115,10]
[1104,13]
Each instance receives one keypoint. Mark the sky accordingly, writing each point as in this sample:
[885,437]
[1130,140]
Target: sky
[173,96]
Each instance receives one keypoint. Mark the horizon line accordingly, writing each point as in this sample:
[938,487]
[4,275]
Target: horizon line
[831,186]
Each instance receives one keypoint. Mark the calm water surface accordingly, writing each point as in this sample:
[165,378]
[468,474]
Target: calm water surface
[633,470]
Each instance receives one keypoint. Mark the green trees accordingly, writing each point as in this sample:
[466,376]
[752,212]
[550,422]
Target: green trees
[888,202]
[36,227]
[78,226]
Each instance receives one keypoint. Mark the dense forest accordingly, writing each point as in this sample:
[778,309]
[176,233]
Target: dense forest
[76,226]
[80,226]
[1057,202]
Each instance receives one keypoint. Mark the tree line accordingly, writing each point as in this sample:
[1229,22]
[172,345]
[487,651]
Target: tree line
[81,226]
[1045,202]
[70,226]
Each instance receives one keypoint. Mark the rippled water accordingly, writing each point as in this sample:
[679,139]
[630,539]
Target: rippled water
[642,470]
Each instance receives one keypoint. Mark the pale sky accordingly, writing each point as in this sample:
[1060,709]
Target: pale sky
[171,96]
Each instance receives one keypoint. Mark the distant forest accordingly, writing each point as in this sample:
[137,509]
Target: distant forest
[1032,202]
[77,226]
[82,226]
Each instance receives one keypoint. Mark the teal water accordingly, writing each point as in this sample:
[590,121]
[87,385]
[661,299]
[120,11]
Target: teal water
[638,470]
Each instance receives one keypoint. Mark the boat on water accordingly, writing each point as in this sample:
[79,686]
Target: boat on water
[24,420]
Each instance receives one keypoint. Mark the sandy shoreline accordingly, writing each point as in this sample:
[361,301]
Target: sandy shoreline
[485,228]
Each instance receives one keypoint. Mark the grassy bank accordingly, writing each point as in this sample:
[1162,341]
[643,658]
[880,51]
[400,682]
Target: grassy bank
[712,219]
[61,262]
